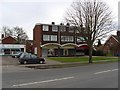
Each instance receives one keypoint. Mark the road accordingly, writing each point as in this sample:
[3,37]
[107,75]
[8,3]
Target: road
[89,76]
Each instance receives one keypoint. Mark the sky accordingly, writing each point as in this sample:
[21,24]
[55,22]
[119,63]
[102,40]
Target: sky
[119,16]
[26,13]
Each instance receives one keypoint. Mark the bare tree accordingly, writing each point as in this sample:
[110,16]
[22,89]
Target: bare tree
[92,19]
[19,34]
[16,32]
[7,31]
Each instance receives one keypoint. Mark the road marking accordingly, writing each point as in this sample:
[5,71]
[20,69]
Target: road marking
[106,71]
[65,78]
[114,70]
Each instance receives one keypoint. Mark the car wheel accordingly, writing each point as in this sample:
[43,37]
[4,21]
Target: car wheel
[25,62]
[13,56]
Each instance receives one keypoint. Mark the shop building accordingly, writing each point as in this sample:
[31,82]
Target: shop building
[58,40]
[8,46]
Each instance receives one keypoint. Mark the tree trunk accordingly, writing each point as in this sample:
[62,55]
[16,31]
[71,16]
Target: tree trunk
[90,54]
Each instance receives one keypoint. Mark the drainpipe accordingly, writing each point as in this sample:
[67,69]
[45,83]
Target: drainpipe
[59,41]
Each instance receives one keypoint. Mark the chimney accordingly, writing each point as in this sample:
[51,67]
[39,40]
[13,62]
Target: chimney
[68,24]
[2,36]
[118,33]
[61,24]
[53,23]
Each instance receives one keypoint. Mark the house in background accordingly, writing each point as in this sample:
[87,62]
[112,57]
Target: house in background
[112,45]
[8,46]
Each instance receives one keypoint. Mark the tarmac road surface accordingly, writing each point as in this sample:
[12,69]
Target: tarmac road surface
[89,76]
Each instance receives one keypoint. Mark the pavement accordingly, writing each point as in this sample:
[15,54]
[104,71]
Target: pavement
[9,61]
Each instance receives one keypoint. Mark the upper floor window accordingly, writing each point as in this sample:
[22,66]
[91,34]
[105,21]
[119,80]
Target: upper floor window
[49,37]
[67,38]
[62,28]
[54,28]
[46,38]
[71,29]
[53,37]
[45,28]
[80,39]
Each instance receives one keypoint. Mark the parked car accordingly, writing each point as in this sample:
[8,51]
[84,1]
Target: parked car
[17,54]
[30,58]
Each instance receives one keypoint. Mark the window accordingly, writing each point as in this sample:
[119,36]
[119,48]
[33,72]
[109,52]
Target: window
[71,29]
[62,38]
[62,28]
[35,50]
[77,31]
[45,28]
[53,37]
[54,28]
[67,38]
[49,37]
[34,56]
[71,38]
[27,56]
[80,39]
[46,38]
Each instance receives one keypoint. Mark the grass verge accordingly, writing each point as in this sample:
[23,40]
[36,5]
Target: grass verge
[82,59]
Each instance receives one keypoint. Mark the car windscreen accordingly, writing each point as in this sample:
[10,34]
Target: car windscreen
[24,55]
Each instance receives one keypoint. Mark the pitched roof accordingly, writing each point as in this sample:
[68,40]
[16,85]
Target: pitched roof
[116,38]
[8,37]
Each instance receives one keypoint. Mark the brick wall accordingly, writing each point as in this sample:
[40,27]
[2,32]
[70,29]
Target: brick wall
[111,46]
[37,36]
[8,40]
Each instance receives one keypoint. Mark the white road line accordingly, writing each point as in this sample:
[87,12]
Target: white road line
[65,78]
[106,71]
[114,70]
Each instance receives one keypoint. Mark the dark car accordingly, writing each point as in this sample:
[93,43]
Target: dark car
[30,58]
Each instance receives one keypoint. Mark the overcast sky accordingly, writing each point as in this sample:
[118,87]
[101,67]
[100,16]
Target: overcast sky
[119,16]
[26,13]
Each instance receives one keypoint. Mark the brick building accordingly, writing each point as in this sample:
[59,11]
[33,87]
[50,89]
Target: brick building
[112,45]
[8,46]
[29,46]
[58,40]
